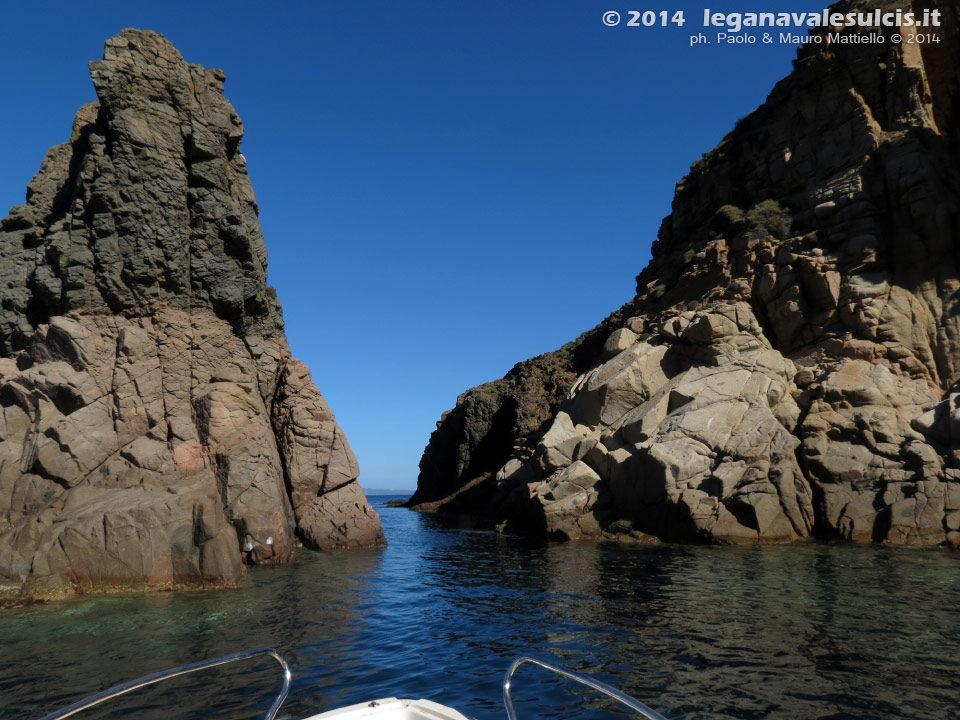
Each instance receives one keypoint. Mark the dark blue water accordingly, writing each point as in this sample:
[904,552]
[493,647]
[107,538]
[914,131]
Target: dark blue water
[795,632]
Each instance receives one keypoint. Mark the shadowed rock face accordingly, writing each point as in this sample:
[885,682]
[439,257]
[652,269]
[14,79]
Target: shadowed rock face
[790,364]
[154,429]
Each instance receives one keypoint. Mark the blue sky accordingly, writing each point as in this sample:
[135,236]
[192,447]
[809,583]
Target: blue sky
[446,188]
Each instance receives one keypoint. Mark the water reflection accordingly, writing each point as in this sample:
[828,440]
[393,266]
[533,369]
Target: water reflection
[812,631]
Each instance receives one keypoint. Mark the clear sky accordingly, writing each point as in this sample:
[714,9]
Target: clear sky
[446,187]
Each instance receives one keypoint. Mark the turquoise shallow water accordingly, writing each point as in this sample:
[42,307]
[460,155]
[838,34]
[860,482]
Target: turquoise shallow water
[814,631]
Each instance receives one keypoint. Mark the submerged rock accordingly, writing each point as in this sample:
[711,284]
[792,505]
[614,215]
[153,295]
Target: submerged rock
[789,366]
[154,429]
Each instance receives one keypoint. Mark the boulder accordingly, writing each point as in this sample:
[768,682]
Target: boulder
[618,341]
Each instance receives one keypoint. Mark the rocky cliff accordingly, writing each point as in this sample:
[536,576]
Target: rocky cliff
[790,365]
[155,430]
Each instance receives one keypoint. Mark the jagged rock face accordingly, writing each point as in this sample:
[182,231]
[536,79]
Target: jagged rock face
[154,428]
[790,364]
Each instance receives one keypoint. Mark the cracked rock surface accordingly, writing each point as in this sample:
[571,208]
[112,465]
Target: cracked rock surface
[790,365]
[154,429]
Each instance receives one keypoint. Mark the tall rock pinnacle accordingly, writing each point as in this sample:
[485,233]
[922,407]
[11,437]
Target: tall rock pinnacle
[790,365]
[155,430]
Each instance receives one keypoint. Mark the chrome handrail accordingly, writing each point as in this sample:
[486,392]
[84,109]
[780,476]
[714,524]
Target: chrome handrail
[126,687]
[612,692]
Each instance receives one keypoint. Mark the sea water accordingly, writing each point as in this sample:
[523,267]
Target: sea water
[791,632]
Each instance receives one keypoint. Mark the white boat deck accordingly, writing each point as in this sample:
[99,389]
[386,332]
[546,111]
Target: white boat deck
[392,709]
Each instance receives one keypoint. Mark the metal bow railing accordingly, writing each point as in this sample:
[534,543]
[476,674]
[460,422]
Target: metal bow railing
[611,692]
[126,687]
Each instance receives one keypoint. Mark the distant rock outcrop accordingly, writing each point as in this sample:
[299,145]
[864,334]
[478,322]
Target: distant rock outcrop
[790,366]
[154,429]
